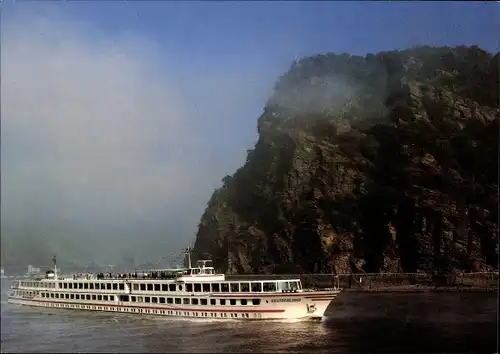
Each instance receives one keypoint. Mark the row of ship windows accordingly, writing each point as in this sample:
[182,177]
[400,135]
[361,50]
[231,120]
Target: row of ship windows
[191,287]
[158,312]
[193,301]
[256,287]
[96,286]
[79,297]
[66,296]
[149,299]
[30,284]
[91,286]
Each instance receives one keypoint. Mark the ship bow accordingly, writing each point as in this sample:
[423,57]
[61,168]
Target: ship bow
[318,301]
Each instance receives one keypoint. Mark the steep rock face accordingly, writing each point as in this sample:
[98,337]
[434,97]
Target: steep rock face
[382,163]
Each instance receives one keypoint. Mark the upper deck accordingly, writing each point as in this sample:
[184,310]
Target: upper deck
[201,278]
[203,272]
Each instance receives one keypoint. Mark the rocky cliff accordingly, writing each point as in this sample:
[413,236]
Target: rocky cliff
[383,163]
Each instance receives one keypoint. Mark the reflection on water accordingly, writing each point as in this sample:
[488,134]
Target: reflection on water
[355,323]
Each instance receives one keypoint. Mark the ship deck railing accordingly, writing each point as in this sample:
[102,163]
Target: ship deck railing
[166,274]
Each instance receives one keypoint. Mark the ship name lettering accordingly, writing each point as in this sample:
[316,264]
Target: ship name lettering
[286,300]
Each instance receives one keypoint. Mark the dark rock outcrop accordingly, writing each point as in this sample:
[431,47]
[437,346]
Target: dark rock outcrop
[383,163]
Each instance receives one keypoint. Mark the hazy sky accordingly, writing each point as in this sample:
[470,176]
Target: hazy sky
[120,118]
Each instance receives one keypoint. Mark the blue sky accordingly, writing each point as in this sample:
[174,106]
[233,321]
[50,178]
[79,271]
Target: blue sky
[228,30]
[177,88]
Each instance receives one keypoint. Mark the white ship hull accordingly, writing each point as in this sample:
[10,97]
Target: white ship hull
[305,305]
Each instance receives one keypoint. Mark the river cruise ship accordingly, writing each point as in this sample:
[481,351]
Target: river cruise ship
[194,292]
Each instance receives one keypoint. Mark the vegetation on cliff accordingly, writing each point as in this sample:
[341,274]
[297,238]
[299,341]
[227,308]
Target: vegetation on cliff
[383,163]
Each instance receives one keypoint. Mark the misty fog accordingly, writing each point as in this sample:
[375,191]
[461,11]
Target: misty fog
[106,155]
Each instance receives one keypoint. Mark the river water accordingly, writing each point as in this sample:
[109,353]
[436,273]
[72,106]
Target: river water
[357,322]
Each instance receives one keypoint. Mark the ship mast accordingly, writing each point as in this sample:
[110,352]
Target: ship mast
[55,266]
[188,252]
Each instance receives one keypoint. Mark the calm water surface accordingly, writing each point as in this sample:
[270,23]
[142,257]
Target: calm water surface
[386,323]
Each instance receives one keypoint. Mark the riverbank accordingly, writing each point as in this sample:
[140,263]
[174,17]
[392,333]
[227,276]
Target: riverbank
[424,289]
[399,282]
